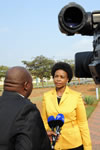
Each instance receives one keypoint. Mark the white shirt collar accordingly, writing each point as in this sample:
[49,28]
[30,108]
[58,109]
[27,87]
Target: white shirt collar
[21,95]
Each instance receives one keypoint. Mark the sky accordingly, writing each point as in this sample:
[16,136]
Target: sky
[29,28]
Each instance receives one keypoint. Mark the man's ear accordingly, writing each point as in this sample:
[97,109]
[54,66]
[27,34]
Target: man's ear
[26,86]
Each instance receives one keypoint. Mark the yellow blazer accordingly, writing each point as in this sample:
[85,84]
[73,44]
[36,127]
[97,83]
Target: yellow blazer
[75,131]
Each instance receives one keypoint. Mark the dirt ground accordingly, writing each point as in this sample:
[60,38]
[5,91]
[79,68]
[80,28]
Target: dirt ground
[85,89]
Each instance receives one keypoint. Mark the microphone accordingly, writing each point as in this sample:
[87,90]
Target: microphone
[51,122]
[59,123]
[52,125]
[55,123]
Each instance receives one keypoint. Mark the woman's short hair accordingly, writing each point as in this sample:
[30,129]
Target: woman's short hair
[63,66]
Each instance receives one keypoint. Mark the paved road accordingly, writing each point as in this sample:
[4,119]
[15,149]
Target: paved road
[94,126]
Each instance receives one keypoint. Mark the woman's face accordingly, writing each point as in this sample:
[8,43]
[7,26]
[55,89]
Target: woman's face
[60,78]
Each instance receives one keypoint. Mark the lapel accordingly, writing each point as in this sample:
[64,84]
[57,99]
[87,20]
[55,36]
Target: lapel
[54,100]
[65,95]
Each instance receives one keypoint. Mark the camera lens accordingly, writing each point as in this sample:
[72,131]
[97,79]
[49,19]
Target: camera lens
[73,17]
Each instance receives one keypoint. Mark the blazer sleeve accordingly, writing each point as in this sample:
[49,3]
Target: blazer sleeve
[83,124]
[29,131]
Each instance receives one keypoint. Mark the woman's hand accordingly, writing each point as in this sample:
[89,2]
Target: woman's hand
[50,134]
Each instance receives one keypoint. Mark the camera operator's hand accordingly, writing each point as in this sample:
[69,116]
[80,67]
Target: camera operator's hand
[50,134]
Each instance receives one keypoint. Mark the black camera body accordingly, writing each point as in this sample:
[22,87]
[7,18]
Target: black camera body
[74,20]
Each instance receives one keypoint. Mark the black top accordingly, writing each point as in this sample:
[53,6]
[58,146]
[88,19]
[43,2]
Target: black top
[58,98]
[21,126]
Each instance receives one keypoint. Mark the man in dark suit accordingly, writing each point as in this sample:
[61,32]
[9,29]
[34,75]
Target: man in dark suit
[21,126]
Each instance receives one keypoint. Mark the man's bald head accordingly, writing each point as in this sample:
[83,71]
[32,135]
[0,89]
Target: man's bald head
[17,79]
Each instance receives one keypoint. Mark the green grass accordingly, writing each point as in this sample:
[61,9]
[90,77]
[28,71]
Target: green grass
[45,84]
[91,102]
[1,87]
[89,110]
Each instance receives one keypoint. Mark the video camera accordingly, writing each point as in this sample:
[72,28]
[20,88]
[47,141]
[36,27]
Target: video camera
[74,20]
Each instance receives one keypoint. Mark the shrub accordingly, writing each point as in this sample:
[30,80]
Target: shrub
[89,100]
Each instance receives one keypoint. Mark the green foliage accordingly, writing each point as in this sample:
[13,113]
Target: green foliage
[71,62]
[40,67]
[3,70]
[89,100]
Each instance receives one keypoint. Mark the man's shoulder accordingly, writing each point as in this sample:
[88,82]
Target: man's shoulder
[25,102]
[16,100]
[28,102]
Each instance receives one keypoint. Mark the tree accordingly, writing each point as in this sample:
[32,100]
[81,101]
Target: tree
[71,62]
[3,70]
[40,67]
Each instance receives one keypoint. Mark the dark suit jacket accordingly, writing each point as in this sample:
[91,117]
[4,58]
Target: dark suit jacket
[21,126]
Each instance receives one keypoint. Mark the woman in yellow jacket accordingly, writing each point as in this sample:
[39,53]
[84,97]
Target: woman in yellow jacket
[74,133]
